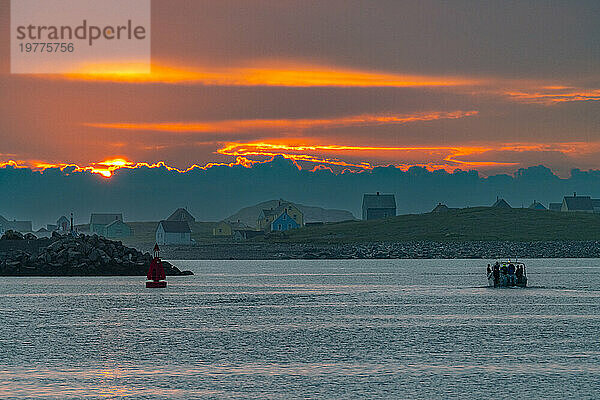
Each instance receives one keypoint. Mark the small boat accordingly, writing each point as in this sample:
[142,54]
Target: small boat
[156,273]
[507,274]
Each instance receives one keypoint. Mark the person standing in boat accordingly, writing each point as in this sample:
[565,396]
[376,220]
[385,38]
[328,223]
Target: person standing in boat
[496,273]
[511,274]
[519,274]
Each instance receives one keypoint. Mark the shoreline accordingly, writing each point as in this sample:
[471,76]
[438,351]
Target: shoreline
[396,250]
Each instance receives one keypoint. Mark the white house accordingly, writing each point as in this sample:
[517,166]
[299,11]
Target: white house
[173,232]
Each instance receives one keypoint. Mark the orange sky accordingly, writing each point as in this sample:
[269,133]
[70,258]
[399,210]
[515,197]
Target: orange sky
[322,88]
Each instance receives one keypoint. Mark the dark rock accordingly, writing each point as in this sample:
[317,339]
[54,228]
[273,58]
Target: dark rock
[12,235]
[67,255]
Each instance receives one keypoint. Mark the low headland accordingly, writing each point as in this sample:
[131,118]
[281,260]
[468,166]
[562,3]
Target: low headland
[478,232]
[471,233]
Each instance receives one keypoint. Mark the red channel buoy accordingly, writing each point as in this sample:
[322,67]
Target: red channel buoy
[156,274]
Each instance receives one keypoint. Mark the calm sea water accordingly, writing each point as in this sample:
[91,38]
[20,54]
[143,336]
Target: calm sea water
[306,329]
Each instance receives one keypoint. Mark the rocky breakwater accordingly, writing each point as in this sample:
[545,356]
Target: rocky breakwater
[68,255]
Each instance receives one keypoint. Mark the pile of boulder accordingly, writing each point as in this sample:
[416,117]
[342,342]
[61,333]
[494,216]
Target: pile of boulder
[14,235]
[75,255]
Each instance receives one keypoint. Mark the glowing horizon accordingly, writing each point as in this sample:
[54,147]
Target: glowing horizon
[319,156]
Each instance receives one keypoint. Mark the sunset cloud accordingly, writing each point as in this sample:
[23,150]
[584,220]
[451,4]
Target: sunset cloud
[283,125]
[555,95]
[265,73]
[282,73]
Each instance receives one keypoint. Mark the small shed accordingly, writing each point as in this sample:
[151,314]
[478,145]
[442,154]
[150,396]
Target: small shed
[117,229]
[440,208]
[63,224]
[501,203]
[536,205]
[99,221]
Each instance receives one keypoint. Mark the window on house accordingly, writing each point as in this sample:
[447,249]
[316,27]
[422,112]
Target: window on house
[279,227]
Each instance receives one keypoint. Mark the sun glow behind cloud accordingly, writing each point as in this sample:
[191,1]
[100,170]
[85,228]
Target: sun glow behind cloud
[321,156]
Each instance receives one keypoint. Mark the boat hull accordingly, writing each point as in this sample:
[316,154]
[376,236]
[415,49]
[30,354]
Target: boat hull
[507,281]
[156,284]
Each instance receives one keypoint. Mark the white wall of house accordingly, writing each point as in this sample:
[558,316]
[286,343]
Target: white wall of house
[163,237]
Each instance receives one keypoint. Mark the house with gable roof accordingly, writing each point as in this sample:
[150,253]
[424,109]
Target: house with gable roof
[377,206]
[173,232]
[267,217]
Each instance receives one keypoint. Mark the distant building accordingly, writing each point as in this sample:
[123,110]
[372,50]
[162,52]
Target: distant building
[22,226]
[43,232]
[223,228]
[536,205]
[440,208]
[554,206]
[376,206]
[3,225]
[267,217]
[117,229]
[501,203]
[246,234]
[228,228]
[181,214]
[284,222]
[19,226]
[596,205]
[577,203]
[98,222]
[173,232]
[63,224]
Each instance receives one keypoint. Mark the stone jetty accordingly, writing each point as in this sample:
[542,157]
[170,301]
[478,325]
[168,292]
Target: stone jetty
[72,255]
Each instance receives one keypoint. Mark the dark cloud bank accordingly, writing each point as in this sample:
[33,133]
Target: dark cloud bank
[212,194]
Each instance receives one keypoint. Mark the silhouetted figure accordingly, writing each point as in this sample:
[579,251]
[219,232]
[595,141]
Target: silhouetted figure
[511,274]
[519,273]
[496,274]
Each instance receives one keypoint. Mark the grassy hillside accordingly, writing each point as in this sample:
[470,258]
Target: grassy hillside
[481,223]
